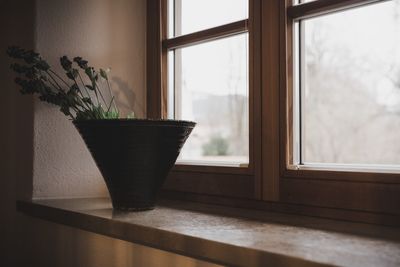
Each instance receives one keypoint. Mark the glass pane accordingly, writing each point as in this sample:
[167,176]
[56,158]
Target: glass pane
[211,88]
[351,86]
[196,15]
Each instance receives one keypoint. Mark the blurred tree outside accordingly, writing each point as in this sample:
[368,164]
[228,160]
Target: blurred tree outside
[351,92]
[216,146]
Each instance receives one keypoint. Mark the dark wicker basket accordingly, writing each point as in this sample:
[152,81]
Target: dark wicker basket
[134,156]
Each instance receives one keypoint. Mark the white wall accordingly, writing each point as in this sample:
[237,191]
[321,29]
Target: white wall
[108,34]
[41,153]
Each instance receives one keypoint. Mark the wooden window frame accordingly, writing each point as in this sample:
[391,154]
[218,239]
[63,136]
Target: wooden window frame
[215,180]
[377,190]
[269,183]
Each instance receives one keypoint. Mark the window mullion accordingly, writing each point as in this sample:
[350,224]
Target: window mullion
[302,68]
[207,35]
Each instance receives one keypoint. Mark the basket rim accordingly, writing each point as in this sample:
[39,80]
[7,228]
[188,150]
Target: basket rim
[134,121]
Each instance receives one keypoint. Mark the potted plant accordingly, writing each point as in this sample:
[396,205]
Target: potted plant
[133,155]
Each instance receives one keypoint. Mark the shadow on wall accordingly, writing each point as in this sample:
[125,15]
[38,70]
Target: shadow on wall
[126,98]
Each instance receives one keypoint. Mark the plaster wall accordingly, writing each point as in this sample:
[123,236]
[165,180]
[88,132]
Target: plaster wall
[108,34]
[42,154]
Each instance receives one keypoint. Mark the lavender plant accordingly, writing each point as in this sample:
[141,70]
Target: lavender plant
[76,98]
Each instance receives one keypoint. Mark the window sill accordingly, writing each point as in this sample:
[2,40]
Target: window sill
[229,236]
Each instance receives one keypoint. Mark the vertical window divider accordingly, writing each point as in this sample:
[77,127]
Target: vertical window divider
[255,96]
[301,87]
[271,65]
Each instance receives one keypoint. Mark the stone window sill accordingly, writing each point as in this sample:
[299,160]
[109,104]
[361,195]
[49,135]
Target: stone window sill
[229,236]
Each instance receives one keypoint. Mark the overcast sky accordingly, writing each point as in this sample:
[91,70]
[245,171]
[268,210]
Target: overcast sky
[370,37]
[219,67]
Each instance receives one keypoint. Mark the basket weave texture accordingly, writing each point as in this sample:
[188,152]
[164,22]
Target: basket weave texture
[134,156]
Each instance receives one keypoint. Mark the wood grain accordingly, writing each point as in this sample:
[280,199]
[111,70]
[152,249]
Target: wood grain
[314,210]
[206,35]
[270,98]
[255,102]
[218,184]
[369,197]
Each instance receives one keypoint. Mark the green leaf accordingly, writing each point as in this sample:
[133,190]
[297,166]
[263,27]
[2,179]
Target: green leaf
[89,73]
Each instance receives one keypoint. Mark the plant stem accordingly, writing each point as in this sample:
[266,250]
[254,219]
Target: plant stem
[58,76]
[58,86]
[101,95]
[111,94]
[52,84]
[95,92]
[84,86]
[79,90]
[109,106]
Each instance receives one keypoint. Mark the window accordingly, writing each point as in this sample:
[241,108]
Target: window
[335,81]
[208,80]
[348,89]
[306,89]
[189,16]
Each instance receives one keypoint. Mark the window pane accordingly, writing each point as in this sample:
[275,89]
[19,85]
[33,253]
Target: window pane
[196,15]
[351,86]
[211,88]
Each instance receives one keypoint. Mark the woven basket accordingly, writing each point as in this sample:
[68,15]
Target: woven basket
[134,156]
